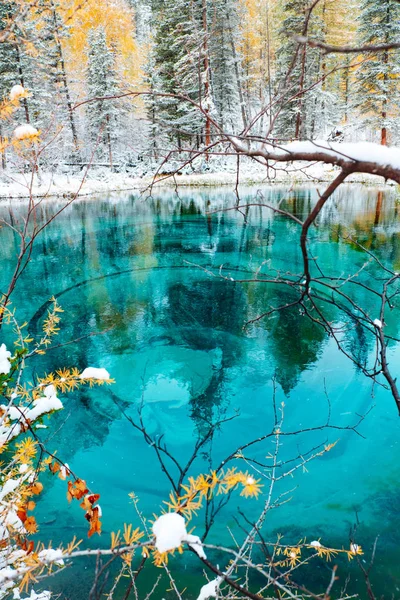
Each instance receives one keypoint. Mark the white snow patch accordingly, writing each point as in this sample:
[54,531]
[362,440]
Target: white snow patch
[16,92]
[170,532]
[24,132]
[210,589]
[94,373]
[357,151]
[46,404]
[45,595]
[9,486]
[21,414]
[51,555]
[5,364]
[195,543]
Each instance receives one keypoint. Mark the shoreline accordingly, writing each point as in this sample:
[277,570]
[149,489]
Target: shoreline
[48,185]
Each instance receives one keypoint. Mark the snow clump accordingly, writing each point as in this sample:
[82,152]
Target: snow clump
[5,364]
[170,532]
[94,373]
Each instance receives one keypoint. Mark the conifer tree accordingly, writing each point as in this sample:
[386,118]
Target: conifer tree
[13,62]
[225,64]
[377,91]
[297,69]
[182,65]
[102,115]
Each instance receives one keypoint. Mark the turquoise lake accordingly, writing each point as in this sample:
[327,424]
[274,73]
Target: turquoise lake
[143,278]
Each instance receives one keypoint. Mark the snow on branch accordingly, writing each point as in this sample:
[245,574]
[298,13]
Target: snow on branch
[329,49]
[362,157]
[170,532]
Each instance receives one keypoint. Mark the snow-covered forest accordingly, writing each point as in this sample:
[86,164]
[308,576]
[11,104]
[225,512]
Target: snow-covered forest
[176,68]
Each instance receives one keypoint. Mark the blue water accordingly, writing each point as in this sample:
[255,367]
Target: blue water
[143,276]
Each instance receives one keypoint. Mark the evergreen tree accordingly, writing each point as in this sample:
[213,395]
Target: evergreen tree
[13,61]
[182,67]
[377,91]
[102,115]
[297,70]
[226,76]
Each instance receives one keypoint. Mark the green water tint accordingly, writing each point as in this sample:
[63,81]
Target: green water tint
[173,337]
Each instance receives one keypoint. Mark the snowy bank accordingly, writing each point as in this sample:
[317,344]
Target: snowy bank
[103,180]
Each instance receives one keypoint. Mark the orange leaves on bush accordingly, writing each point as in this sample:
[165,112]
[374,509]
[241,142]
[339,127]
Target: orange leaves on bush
[35,488]
[93,513]
[93,516]
[25,545]
[76,489]
[88,501]
[54,467]
[79,490]
[62,470]
[30,525]
[21,514]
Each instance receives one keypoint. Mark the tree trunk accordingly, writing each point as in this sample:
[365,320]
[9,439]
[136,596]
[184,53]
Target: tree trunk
[22,82]
[3,152]
[206,65]
[64,80]
[385,80]
[237,72]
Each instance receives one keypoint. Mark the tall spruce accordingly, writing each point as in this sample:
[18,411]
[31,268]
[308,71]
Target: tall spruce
[297,70]
[226,65]
[377,90]
[102,115]
[182,68]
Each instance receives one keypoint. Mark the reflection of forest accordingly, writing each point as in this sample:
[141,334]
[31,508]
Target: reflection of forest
[123,268]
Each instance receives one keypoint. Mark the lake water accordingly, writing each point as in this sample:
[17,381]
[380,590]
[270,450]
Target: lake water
[143,275]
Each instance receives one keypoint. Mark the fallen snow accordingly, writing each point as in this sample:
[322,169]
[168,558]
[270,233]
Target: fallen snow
[357,151]
[25,132]
[94,373]
[170,532]
[51,555]
[9,486]
[5,364]
[195,543]
[210,589]
[44,405]
[21,414]
[15,185]
[45,595]
[16,92]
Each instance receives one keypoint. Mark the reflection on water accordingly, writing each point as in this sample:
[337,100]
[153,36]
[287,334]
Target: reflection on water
[144,275]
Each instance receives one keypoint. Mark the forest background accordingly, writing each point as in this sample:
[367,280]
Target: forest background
[175,67]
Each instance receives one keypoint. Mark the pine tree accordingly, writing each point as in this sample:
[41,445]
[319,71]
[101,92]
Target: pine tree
[13,62]
[182,67]
[225,65]
[102,115]
[377,91]
[297,70]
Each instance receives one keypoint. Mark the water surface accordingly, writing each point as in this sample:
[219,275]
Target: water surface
[144,276]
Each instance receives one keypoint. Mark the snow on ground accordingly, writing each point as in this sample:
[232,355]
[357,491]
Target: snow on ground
[101,180]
